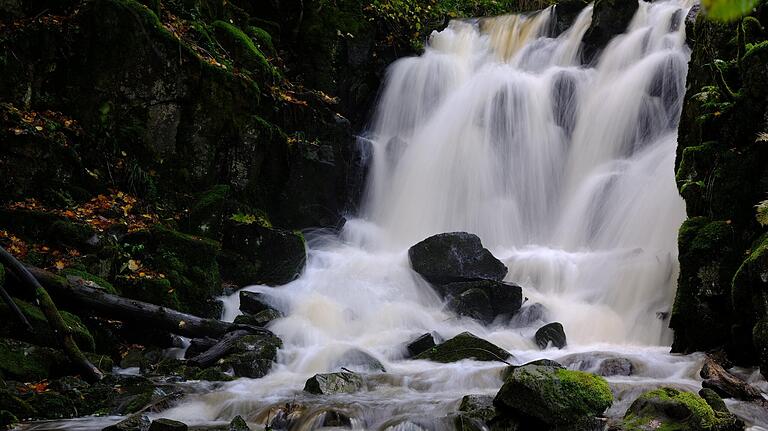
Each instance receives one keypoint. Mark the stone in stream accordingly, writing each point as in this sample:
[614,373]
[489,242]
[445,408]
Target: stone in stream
[131,423]
[422,344]
[465,346]
[551,333]
[238,424]
[358,361]
[673,409]
[334,383]
[615,367]
[483,300]
[167,425]
[254,302]
[550,396]
[262,318]
[455,256]
[528,315]
[478,407]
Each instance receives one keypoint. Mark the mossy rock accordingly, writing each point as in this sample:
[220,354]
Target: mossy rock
[15,406]
[207,213]
[158,291]
[553,395]
[42,334]
[334,383]
[671,409]
[90,280]
[252,356]
[29,363]
[242,49]
[53,405]
[465,346]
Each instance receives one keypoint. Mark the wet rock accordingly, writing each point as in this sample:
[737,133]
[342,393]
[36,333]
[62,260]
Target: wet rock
[262,318]
[198,346]
[483,300]
[478,407]
[553,396]
[359,361]
[528,315]
[609,18]
[275,256]
[465,346]
[615,367]
[334,383]
[254,302]
[335,418]
[42,334]
[52,405]
[455,256]
[238,424]
[167,425]
[252,355]
[725,383]
[462,422]
[421,344]
[28,363]
[551,333]
[131,423]
[669,408]
[713,399]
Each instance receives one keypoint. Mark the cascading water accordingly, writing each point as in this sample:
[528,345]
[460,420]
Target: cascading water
[565,172]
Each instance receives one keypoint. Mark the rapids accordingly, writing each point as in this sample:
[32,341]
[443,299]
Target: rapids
[565,171]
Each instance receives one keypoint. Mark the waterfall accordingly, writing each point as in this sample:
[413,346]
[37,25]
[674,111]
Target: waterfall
[566,173]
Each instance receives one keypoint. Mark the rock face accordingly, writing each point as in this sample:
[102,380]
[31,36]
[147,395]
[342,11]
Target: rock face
[551,333]
[465,346]
[552,396]
[421,344]
[456,256]
[723,247]
[668,408]
[334,383]
[609,18]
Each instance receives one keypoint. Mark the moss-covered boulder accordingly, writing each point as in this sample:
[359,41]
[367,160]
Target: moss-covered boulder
[455,256]
[334,383]
[252,355]
[675,410]
[465,346]
[190,273]
[478,407]
[29,363]
[42,333]
[553,396]
[276,256]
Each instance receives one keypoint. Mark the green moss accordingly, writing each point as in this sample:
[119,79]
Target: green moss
[25,362]
[671,410]
[138,402]
[157,291]
[592,390]
[262,39]
[53,405]
[241,48]
[107,286]
[42,330]
[206,214]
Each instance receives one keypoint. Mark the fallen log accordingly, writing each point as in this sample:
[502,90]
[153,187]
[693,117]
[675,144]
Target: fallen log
[218,350]
[75,290]
[60,329]
[726,384]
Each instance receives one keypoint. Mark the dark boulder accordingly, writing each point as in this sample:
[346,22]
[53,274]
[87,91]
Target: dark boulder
[553,396]
[131,423]
[455,256]
[465,346]
[421,344]
[238,424]
[478,407]
[262,318]
[252,355]
[551,333]
[163,424]
[334,383]
[483,300]
[272,256]
[254,302]
[609,18]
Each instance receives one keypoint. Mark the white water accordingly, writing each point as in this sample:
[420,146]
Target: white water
[566,174]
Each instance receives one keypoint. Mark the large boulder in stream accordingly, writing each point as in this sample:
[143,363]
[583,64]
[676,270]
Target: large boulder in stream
[465,346]
[334,383]
[672,409]
[455,256]
[551,333]
[483,300]
[549,395]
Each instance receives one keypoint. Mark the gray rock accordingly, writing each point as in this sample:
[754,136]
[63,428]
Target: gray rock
[615,367]
[334,383]
[254,302]
[358,360]
[455,256]
[478,407]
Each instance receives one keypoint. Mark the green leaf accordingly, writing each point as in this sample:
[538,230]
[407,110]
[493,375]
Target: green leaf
[728,10]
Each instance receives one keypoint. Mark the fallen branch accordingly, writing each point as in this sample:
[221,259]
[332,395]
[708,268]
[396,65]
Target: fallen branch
[219,350]
[726,384]
[60,329]
[74,290]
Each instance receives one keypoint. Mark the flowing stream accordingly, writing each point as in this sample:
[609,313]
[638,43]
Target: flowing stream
[565,171]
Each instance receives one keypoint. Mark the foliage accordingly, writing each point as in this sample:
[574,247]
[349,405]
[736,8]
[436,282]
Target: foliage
[762,213]
[728,10]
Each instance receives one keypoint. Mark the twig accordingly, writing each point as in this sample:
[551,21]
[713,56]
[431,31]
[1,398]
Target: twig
[15,309]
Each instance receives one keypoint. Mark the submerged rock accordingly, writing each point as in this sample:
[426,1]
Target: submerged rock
[131,423]
[167,425]
[465,346]
[672,409]
[334,383]
[478,407]
[262,318]
[528,315]
[254,302]
[551,333]
[553,395]
[615,367]
[455,256]
[358,360]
